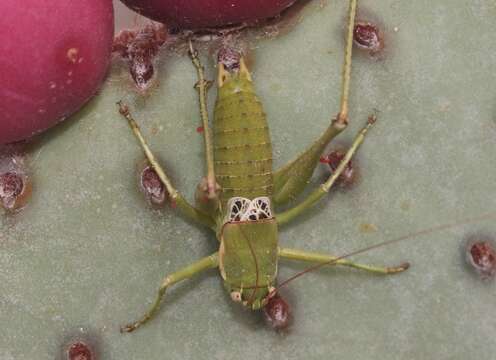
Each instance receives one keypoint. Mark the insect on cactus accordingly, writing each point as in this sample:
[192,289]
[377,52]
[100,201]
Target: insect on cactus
[240,194]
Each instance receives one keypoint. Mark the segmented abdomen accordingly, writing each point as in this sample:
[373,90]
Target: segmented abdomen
[242,150]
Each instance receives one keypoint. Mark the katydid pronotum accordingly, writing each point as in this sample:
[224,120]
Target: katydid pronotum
[238,197]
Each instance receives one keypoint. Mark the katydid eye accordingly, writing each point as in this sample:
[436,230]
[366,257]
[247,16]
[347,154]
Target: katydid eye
[236,296]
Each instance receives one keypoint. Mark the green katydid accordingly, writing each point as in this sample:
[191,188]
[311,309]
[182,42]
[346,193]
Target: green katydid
[238,197]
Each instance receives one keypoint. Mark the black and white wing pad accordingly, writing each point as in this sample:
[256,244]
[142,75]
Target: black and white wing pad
[243,209]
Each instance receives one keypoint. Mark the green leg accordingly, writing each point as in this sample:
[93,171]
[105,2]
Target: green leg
[291,179]
[175,196]
[206,263]
[323,189]
[202,86]
[293,254]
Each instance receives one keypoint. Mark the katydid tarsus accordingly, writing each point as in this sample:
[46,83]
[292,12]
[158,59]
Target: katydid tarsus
[238,197]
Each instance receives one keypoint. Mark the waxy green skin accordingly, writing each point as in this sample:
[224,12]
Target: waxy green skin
[239,164]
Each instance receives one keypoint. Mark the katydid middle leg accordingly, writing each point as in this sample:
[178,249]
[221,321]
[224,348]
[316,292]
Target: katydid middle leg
[291,179]
[209,262]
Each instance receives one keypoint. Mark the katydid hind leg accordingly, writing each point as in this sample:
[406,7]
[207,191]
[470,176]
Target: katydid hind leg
[209,262]
[202,87]
[317,194]
[291,179]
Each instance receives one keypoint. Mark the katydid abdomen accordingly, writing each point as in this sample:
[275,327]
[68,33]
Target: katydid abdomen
[242,150]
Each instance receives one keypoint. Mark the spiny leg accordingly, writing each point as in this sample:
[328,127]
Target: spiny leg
[342,118]
[291,179]
[209,262]
[202,86]
[187,209]
[293,254]
[323,189]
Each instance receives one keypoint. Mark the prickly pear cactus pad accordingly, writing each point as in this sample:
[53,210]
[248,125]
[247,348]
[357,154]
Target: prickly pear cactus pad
[88,252]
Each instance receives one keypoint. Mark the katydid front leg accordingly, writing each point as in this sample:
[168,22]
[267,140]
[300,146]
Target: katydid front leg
[176,197]
[292,179]
[209,262]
